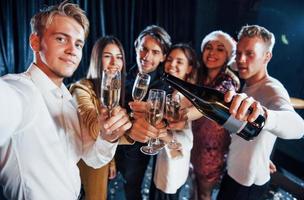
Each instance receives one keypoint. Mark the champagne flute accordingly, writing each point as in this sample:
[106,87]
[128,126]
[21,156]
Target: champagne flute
[110,89]
[154,115]
[172,115]
[140,86]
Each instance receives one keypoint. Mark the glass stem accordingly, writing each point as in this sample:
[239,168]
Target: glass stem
[150,143]
[109,112]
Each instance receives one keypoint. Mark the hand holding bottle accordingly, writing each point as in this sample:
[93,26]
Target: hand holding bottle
[244,108]
[212,104]
[180,124]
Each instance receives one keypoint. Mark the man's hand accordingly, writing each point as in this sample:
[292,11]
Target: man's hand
[139,109]
[240,105]
[142,131]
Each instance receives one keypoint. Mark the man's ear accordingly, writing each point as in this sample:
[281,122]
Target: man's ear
[35,42]
[268,56]
[189,70]
[163,58]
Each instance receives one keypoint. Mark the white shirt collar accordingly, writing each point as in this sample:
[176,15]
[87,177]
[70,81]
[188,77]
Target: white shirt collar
[45,84]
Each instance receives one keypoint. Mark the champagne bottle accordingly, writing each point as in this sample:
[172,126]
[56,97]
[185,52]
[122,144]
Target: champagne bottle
[210,102]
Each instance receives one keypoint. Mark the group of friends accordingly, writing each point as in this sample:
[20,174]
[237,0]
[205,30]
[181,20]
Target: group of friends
[54,139]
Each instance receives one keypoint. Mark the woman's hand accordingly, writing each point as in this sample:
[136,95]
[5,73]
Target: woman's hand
[181,123]
[272,167]
[112,171]
[114,127]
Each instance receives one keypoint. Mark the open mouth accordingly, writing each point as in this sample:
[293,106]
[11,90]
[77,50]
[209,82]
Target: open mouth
[210,59]
[242,69]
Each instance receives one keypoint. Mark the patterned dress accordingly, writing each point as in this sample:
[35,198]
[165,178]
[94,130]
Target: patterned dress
[211,141]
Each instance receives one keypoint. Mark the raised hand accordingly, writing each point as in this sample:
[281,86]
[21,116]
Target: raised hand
[141,130]
[138,108]
[114,127]
[181,123]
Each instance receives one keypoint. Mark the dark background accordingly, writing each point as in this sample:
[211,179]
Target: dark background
[186,21]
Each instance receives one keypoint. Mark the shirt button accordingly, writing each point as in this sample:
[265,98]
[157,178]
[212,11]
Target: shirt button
[58,94]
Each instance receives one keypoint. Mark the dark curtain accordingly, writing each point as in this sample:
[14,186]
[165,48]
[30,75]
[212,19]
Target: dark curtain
[122,18]
[186,21]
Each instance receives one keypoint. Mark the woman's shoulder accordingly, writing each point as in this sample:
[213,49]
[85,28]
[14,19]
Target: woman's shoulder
[230,76]
[83,84]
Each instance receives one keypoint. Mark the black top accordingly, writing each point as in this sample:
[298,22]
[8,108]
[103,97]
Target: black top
[155,82]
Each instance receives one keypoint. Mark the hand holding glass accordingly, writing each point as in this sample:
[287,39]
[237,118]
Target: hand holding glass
[154,115]
[110,89]
[172,115]
[140,86]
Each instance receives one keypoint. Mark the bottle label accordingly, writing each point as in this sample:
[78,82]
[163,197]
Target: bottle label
[233,125]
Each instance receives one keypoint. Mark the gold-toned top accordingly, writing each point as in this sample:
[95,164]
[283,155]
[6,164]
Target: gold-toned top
[88,106]
[297,103]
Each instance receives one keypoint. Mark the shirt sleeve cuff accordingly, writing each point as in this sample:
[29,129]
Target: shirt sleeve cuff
[271,117]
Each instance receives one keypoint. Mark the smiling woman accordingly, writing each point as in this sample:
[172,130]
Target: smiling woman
[107,55]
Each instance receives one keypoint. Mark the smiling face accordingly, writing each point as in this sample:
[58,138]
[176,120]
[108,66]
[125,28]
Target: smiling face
[252,58]
[58,51]
[214,55]
[177,64]
[112,58]
[149,54]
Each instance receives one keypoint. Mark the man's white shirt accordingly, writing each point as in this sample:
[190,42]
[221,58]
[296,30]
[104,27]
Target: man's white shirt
[41,141]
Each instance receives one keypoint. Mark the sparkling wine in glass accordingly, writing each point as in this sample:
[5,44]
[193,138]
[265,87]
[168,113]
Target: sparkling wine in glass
[154,115]
[172,115]
[110,89]
[140,86]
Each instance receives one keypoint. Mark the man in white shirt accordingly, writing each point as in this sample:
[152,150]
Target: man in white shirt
[248,171]
[40,137]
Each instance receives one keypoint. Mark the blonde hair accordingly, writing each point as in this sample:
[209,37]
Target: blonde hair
[260,32]
[45,17]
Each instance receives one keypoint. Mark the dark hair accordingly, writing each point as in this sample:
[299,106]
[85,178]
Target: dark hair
[159,34]
[45,17]
[96,68]
[192,60]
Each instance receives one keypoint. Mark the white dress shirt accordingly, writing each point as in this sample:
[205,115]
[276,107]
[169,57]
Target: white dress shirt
[248,161]
[41,141]
[172,166]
